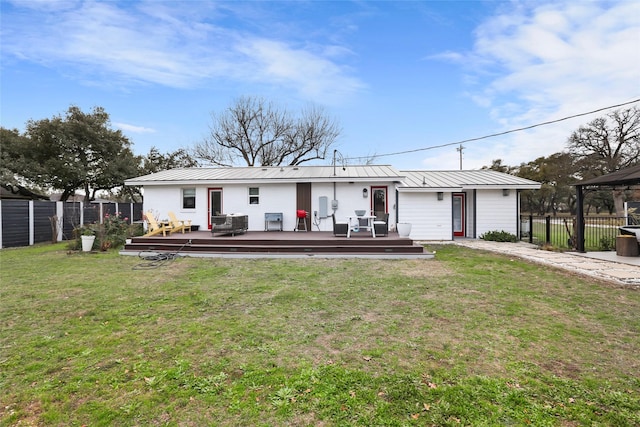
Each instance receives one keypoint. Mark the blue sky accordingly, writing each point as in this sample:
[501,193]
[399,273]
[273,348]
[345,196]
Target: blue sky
[397,76]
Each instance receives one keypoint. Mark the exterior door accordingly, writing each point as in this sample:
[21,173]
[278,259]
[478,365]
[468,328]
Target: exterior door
[303,201]
[379,202]
[215,203]
[458,215]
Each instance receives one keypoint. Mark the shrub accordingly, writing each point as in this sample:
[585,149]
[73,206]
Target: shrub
[499,236]
[607,243]
[113,231]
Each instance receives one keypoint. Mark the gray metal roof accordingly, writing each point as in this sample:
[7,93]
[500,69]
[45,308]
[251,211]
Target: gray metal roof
[462,180]
[260,174]
[627,176]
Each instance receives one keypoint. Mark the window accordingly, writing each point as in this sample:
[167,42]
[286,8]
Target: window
[188,198]
[254,196]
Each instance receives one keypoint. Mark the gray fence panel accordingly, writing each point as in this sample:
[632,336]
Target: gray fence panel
[91,213]
[137,211]
[15,219]
[15,223]
[108,208]
[71,219]
[125,211]
[42,227]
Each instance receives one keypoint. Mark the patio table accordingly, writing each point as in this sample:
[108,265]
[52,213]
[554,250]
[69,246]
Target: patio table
[369,226]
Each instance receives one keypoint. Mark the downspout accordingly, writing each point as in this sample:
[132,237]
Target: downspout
[397,206]
[333,207]
[518,222]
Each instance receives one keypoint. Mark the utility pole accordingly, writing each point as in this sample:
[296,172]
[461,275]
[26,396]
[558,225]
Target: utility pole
[459,149]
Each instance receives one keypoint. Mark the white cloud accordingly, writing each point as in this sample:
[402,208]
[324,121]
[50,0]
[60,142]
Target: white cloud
[537,62]
[171,45]
[312,75]
[133,129]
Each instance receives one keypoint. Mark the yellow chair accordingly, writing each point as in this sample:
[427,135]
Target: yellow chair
[153,227]
[177,224]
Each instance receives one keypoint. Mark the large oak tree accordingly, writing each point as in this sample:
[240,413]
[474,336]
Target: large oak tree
[606,145]
[75,151]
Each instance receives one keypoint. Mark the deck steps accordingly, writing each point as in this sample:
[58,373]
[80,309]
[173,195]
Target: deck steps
[280,245]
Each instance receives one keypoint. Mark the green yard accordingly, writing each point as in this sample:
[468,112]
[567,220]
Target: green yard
[468,338]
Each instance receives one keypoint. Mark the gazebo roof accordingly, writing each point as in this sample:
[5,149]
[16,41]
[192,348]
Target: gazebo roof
[627,176]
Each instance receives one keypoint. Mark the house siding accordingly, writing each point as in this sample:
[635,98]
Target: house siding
[430,218]
[276,197]
[350,199]
[496,212]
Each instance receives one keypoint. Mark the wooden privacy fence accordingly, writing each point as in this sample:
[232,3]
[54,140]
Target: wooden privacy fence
[26,222]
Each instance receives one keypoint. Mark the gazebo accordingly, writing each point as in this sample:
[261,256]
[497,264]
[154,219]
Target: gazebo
[627,176]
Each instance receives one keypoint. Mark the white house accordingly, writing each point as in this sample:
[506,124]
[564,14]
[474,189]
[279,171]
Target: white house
[439,205]
[442,205]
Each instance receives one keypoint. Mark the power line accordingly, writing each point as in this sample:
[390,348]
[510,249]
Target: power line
[495,134]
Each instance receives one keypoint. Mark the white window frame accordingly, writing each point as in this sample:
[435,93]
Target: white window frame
[183,192]
[254,196]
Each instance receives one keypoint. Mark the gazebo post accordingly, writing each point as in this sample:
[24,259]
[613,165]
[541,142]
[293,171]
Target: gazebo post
[579,219]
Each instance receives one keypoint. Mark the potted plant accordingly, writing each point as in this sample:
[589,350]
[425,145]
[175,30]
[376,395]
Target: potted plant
[88,238]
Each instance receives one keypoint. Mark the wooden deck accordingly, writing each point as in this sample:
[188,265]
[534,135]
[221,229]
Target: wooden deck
[278,244]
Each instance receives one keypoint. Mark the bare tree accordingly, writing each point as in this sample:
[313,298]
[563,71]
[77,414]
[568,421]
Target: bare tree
[257,133]
[606,145]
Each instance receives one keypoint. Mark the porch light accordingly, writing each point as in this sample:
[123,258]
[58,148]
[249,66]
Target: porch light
[505,192]
[440,195]
[365,193]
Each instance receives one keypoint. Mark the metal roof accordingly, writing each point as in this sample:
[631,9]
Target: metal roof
[627,176]
[261,174]
[463,180]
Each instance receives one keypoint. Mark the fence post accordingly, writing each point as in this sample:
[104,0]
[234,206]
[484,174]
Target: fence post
[547,221]
[60,215]
[530,228]
[32,227]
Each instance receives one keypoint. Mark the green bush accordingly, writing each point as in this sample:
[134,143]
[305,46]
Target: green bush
[499,236]
[607,243]
[113,231]
[111,234]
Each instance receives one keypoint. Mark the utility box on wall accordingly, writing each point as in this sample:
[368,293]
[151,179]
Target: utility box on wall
[323,207]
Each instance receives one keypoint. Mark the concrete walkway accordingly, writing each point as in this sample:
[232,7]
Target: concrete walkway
[602,265]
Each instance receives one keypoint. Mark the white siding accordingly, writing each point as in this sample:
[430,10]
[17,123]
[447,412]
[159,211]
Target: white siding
[277,197]
[350,199]
[496,212]
[430,218]
[161,200]
[273,198]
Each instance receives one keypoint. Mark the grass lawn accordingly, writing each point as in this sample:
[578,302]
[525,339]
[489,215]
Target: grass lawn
[468,338]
